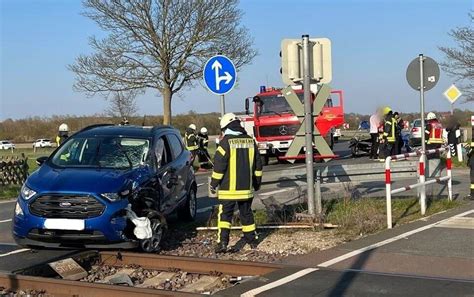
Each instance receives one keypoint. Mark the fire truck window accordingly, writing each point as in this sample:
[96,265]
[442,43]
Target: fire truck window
[328,102]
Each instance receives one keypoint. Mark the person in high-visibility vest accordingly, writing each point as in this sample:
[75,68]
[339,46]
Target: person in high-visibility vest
[63,134]
[190,141]
[203,143]
[388,135]
[434,132]
[237,173]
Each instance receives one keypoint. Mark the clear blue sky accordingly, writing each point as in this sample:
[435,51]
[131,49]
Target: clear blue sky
[372,40]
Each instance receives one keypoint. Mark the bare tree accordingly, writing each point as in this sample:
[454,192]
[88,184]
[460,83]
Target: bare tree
[122,104]
[460,59]
[159,44]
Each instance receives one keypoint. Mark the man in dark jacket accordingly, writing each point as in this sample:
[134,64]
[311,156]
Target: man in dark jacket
[190,141]
[237,173]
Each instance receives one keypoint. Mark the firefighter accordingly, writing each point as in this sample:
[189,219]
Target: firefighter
[203,143]
[237,172]
[63,134]
[124,122]
[388,135]
[453,134]
[190,140]
[434,132]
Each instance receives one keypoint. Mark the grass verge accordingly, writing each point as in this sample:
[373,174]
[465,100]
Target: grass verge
[9,192]
[365,216]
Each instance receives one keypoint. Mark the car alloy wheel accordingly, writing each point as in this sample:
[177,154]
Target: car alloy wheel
[152,244]
[192,203]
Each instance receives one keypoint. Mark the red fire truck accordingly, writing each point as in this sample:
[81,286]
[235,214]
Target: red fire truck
[274,125]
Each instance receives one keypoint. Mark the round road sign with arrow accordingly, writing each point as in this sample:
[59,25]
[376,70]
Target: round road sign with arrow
[219,74]
[430,73]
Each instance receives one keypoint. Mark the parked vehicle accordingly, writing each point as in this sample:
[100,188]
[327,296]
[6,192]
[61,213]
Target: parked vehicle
[274,125]
[337,133]
[107,186]
[42,142]
[415,133]
[6,145]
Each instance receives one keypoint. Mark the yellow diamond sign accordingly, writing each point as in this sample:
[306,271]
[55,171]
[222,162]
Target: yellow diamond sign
[452,93]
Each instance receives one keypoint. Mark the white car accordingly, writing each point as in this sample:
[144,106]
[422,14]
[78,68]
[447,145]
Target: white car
[6,145]
[415,133]
[42,143]
[337,133]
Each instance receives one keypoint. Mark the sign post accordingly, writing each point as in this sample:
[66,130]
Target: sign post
[422,75]
[219,75]
[309,123]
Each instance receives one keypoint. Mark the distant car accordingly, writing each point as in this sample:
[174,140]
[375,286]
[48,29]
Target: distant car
[6,145]
[42,143]
[107,186]
[415,133]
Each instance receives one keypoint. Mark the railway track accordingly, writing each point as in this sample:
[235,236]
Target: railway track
[133,274]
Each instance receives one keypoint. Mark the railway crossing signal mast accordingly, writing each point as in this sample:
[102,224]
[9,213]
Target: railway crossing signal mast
[306,61]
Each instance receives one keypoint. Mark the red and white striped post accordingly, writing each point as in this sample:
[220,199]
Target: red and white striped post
[449,164]
[388,191]
[421,179]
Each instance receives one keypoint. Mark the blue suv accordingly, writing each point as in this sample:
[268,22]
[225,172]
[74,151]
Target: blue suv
[107,186]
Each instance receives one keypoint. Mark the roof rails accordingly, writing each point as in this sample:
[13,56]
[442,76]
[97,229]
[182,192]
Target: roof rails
[162,126]
[94,126]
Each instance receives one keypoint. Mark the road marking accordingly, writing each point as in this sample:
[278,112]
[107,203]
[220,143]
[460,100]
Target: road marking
[387,241]
[201,184]
[9,201]
[205,209]
[279,282]
[5,221]
[459,223]
[276,191]
[14,252]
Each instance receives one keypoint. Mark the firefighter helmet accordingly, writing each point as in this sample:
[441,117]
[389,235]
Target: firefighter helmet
[63,128]
[431,116]
[192,126]
[204,130]
[386,110]
[227,119]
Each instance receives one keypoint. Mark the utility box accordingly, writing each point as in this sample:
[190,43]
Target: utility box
[292,61]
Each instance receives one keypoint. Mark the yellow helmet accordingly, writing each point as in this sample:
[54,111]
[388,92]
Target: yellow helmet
[227,119]
[386,110]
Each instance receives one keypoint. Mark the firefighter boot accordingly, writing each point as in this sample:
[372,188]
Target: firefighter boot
[221,247]
[252,239]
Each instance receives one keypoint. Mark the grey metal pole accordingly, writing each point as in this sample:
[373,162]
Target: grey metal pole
[308,119]
[319,207]
[222,105]
[422,102]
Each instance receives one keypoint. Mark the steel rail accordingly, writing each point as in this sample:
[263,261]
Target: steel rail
[59,288]
[189,264]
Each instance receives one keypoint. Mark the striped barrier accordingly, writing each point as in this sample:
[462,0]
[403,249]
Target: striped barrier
[422,182]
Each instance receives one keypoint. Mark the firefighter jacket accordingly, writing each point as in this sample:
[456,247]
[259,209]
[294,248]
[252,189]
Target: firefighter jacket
[434,130]
[190,140]
[237,168]
[203,141]
[389,128]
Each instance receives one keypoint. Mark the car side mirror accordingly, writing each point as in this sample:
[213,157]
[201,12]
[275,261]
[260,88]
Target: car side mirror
[247,105]
[41,160]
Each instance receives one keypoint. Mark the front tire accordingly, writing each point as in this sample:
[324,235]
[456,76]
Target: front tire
[188,211]
[152,245]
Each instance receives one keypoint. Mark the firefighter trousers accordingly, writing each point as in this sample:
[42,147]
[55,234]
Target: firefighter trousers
[224,219]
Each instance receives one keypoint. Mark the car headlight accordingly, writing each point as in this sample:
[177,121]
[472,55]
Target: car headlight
[26,192]
[262,145]
[18,210]
[111,196]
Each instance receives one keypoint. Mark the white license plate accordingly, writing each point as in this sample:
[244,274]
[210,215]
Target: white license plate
[64,224]
[263,152]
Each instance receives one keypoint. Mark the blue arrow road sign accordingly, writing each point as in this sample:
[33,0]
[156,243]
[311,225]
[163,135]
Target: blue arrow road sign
[219,74]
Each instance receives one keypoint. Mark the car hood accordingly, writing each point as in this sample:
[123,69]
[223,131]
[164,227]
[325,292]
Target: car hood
[48,179]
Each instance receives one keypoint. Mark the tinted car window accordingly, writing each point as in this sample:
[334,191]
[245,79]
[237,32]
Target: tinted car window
[162,152]
[176,145]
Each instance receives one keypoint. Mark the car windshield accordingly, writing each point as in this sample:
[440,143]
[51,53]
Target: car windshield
[417,123]
[277,104]
[102,152]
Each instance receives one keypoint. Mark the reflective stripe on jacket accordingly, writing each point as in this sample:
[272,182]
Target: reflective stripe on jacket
[191,141]
[435,130]
[237,167]
[389,128]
